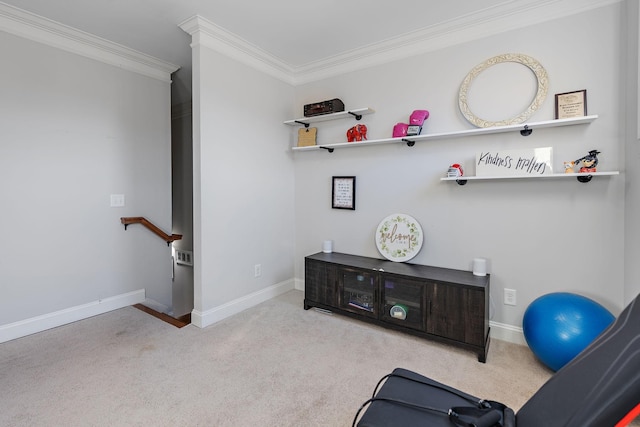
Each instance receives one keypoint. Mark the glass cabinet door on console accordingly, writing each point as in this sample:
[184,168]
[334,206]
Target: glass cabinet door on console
[358,291]
[403,302]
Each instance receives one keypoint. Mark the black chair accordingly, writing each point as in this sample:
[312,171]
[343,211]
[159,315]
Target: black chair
[600,387]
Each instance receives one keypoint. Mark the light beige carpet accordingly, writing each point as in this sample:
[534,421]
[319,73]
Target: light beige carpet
[273,365]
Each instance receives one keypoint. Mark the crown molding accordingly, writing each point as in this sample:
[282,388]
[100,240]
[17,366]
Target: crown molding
[205,33]
[507,16]
[42,30]
[504,17]
[491,21]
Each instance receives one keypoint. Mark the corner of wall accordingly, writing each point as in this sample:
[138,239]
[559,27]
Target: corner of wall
[509,333]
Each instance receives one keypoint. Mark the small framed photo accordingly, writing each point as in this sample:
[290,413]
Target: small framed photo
[571,104]
[343,192]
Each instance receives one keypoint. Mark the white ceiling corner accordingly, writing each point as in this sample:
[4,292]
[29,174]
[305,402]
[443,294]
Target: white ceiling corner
[33,27]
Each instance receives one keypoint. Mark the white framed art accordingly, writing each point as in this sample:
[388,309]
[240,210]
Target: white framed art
[399,237]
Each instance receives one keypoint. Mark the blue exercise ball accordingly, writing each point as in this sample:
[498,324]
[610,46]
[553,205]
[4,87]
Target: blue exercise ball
[560,325]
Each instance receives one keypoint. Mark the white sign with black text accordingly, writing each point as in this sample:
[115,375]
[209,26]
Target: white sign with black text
[531,161]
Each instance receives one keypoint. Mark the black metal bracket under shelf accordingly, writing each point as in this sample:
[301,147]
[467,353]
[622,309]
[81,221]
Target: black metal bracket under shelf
[526,131]
[409,142]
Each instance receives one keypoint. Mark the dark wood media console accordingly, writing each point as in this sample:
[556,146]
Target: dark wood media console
[450,306]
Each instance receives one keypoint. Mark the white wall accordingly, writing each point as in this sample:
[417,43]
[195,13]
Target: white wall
[74,131]
[632,191]
[539,236]
[243,186]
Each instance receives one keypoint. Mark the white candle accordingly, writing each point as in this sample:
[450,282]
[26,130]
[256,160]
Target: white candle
[479,267]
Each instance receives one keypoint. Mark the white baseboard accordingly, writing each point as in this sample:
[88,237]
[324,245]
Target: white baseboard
[36,324]
[509,333]
[299,284]
[216,314]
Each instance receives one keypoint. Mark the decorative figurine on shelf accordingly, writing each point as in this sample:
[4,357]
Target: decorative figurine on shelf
[568,167]
[357,133]
[455,170]
[589,162]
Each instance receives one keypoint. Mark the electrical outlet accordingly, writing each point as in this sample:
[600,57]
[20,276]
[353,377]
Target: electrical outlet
[509,296]
[257,270]
[184,257]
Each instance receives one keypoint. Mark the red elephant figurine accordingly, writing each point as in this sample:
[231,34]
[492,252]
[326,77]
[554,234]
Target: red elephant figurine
[357,133]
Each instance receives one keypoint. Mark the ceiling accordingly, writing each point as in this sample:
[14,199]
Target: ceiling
[296,33]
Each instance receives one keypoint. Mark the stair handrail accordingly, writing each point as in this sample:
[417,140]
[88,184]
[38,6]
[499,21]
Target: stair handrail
[157,231]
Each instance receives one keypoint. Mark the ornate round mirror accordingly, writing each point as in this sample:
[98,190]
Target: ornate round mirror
[542,84]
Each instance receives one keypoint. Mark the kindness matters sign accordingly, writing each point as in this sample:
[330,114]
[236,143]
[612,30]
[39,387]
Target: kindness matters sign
[532,161]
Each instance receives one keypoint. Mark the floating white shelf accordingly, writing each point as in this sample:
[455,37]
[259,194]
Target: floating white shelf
[462,179]
[524,129]
[305,121]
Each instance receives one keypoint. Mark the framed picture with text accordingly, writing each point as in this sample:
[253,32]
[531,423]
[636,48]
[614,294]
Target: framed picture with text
[571,104]
[343,192]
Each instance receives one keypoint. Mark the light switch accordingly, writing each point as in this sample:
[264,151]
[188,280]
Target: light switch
[117,200]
